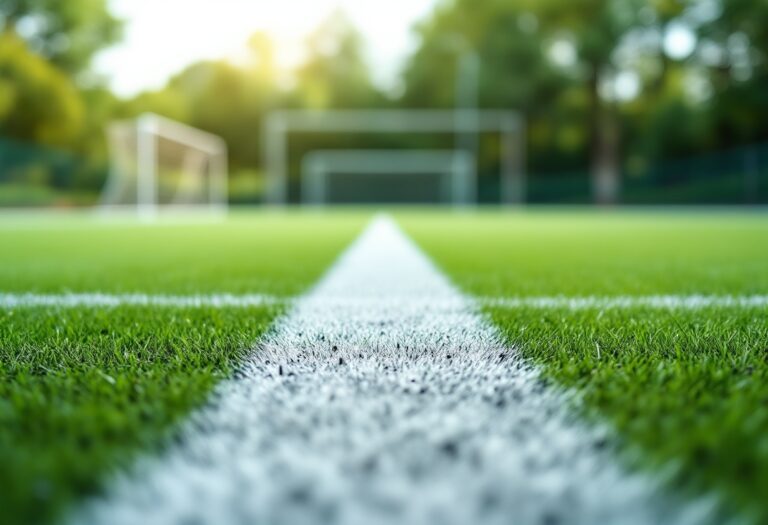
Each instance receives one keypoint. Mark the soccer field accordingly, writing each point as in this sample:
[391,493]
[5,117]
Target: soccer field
[85,386]
[683,379]
[652,325]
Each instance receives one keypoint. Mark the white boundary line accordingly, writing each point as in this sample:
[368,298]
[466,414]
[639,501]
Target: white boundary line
[383,397]
[105,300]
[654,302]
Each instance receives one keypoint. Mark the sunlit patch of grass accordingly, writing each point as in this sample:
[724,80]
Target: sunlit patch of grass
[272,253]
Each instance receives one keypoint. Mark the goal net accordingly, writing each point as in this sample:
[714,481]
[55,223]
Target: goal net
[158,164]
[388,176]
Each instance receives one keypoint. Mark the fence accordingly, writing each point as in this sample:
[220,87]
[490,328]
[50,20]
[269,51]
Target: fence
[39,176]
[734,176]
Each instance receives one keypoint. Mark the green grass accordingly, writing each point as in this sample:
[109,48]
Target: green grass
[583,253]
[688,389]
[82,390]
[275,253]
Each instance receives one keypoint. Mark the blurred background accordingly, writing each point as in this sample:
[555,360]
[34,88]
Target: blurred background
[619,102]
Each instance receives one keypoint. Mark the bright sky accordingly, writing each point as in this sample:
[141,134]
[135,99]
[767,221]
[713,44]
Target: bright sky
[163,36]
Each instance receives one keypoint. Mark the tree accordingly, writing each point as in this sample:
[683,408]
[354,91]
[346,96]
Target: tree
[335,73]
[66,32]
[661,16]
[596,29]
[506,36]
[222,98]
[734,53]
[38,103]
[516,72]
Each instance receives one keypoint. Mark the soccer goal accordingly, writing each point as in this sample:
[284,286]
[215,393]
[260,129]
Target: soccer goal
[157,164]
[508,125]
[346,176]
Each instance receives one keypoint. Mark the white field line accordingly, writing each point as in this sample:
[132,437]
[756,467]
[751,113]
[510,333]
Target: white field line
[105,300]
[386,408]
[654,302]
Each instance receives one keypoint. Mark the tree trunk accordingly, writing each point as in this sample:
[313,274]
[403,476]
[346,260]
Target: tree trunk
[604,151]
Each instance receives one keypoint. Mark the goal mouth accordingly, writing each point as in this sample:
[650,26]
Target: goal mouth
[159,166]
[392,176]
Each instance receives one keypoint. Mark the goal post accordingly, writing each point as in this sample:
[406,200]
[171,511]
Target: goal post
[159,164]
[509,125]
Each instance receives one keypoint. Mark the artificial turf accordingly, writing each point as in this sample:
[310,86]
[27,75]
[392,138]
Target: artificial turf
[83,389]
[688,390]
[257,252]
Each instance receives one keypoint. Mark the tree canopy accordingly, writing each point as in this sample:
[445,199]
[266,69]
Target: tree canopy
[38,103]
[606,87]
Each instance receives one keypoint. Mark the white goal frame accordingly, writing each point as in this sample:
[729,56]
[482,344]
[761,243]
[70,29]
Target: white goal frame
[456,166]
[278,126]
[147,129]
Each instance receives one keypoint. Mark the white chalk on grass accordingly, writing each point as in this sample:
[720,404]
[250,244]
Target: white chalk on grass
[227,300]
[628,302]
[382,397]
[106,300]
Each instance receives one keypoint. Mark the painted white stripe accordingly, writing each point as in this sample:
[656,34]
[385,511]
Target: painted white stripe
[655,302]
[106,300]
[398,404]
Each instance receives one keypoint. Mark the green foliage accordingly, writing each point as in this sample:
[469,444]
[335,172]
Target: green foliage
[232,100]
[229,101]
[558,62]
[67,33]
[737,70]
[46,47]
[335,74]
[51,133]
[38,103]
